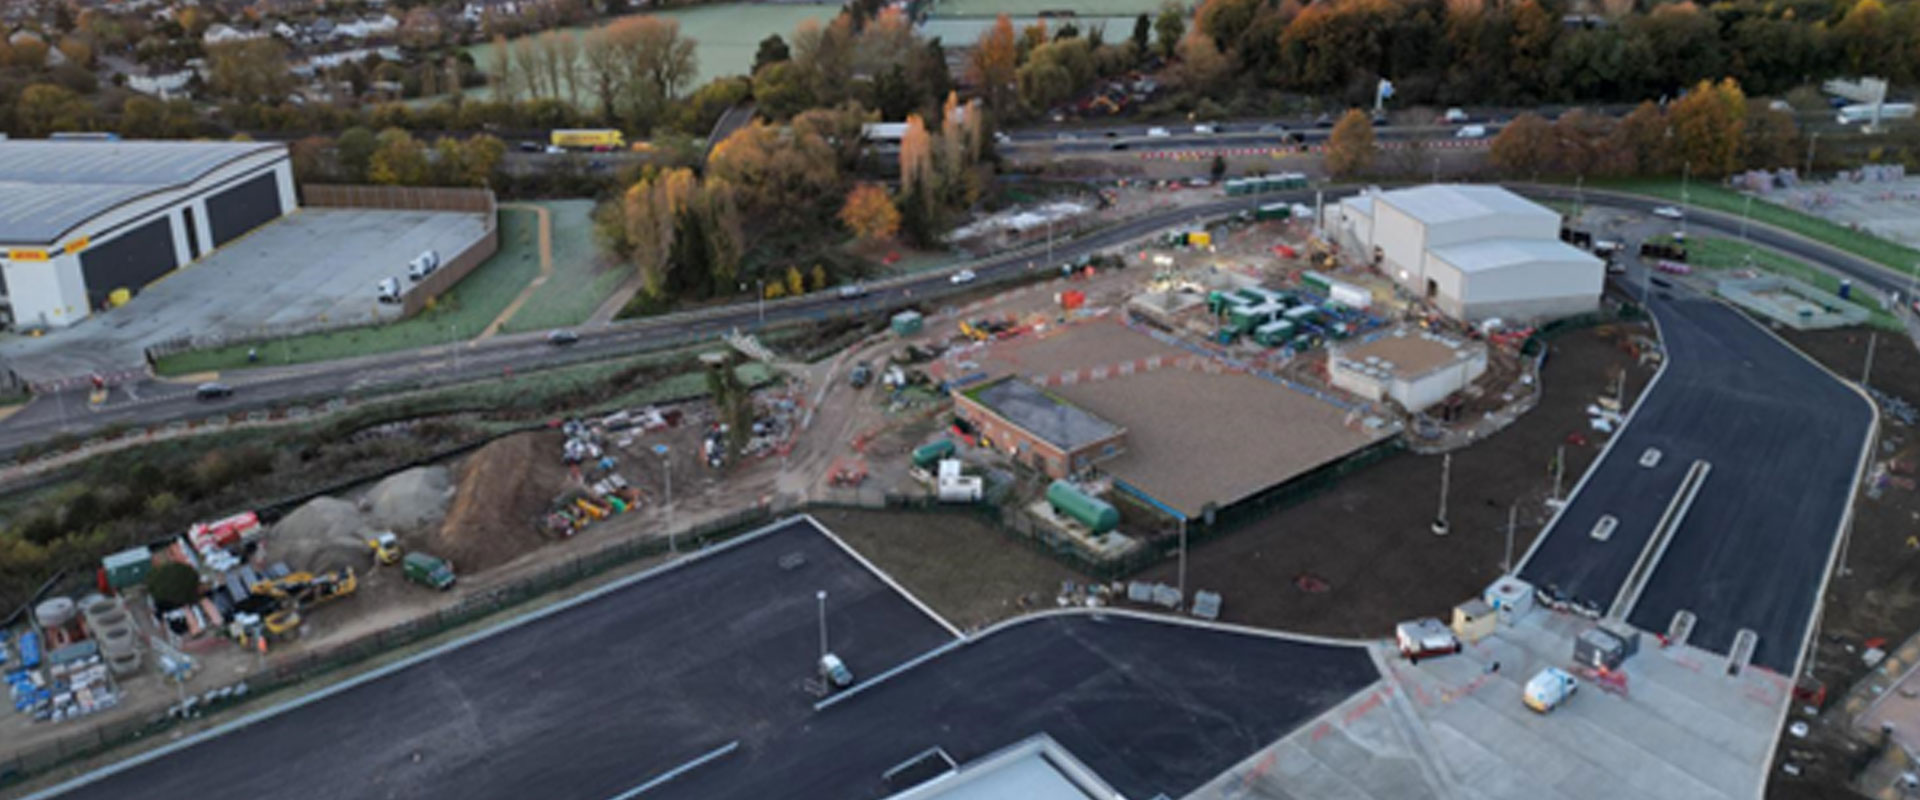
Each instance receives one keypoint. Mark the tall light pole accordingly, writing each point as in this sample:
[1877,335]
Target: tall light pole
[1811,141]
[1513,521]
[760,286]
[1745,209]
[453,335]
[1866,373]
[673,537]
[1183,560]
[822,597]
[1446,475]
[1686,172]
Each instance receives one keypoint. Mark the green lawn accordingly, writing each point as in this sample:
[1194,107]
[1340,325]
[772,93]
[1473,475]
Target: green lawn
[726,35]
[580,280]
[461,313]
[1892,254]
[1717,254]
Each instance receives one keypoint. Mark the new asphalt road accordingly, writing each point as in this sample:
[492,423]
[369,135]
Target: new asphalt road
[633,687]
[1783,439]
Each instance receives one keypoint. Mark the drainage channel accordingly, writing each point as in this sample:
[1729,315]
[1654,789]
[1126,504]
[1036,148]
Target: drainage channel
[1657,543]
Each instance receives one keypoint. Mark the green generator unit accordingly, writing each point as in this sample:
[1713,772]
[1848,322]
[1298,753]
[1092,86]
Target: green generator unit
[1240,187]
[1273,212]
[908,323]
[1319,283]
[1068,501]
[1274,334]
[929,454]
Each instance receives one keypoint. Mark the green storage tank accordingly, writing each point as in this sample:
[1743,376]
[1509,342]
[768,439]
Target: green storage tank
[929,454]
[1098,515]
[908,323]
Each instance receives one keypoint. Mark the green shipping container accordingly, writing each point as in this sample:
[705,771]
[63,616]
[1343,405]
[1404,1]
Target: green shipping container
[1317,282]
[908,323]
[1273,334]
[929,454]
[1067,500]
[1273,211]
[128,567]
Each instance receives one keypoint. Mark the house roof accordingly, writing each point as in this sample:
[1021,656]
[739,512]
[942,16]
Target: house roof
[48,187]
[1491,254]
[1446,202]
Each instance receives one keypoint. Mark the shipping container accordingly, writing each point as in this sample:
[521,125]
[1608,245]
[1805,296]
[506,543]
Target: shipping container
[929,454]
[907,323]
[1273,212]
[1274,334]
[128,567]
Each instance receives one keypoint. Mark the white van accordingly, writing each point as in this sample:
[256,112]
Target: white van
[423,265]
[1471,132]
[389,290]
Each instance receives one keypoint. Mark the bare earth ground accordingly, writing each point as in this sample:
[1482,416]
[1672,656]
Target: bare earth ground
[961,567]
[1368,536]
[1878,595]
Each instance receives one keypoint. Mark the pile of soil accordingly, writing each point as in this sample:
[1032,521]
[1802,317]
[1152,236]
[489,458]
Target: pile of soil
[324,533]
[413,501]
[500,491]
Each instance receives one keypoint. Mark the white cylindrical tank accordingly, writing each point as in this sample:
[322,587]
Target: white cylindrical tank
[54,613]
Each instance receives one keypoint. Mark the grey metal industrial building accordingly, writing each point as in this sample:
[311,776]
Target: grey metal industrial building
[80,220]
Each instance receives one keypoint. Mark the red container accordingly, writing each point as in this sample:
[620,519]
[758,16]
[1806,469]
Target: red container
[1073,299]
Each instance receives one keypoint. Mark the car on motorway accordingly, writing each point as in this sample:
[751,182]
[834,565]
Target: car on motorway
[531,147]
[1669,212]
[962,277]
[1455,116]
[212,391]
[1323,121]
[1158,133]
[1205,129]
[853,291]
[556,150]
[562,337]
[1471,132]
[1111,134]
[1660,282]
[1065,137]
[1271,128]
[1118,146]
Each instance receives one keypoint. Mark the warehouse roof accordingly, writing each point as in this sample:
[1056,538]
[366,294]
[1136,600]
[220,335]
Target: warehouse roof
[1033,410]
[1447,202]
[1037,768]
[48,187]
[1492,254]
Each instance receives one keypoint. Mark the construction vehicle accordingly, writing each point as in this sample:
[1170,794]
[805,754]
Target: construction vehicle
[295,592]
[385,547]
[427,570]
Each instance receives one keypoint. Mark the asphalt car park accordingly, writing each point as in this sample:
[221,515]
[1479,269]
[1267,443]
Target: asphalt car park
[1154,707]
[1783,441]
[585,702]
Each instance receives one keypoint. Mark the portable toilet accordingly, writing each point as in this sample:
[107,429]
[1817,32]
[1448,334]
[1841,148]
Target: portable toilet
[1474,620]
[1510,597]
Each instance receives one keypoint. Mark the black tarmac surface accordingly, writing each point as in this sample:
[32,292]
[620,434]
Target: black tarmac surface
[1783,439]
[600,699]
[1152,707]
[586,703]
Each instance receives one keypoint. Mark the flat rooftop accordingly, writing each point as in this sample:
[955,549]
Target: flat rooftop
[1440,203]
[1043,414]
[1407,354]
[1490,254]
[47,187]
[1035,769]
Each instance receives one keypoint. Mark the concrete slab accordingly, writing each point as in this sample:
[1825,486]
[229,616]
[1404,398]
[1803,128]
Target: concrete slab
[311,270]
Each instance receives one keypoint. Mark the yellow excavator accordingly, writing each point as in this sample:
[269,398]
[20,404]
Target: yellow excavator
[297,591]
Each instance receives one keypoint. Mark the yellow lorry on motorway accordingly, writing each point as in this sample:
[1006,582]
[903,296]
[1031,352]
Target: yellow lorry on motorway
[599,139]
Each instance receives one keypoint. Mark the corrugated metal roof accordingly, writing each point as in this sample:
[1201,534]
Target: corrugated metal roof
[47,187]
[1441,203]
[1489,254]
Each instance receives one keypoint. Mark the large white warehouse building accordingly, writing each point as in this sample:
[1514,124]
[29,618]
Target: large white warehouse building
[1475,252]
[80,220]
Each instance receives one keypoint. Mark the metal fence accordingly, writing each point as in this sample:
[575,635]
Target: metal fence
[282,674]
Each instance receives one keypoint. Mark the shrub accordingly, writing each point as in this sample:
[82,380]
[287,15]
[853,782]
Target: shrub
[173,585]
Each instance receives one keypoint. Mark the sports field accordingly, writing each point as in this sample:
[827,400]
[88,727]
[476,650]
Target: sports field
[1080,8]
[727,34]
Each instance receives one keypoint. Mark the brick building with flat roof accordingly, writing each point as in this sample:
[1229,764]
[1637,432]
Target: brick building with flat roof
[1038,428]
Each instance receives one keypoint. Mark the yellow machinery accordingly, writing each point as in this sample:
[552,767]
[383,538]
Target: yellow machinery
[296,591]
[386,548]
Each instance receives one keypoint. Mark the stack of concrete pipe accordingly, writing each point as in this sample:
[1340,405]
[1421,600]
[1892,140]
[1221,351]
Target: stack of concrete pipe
[113,629]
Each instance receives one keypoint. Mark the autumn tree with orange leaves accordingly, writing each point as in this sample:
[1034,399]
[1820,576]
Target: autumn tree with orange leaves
[869,213]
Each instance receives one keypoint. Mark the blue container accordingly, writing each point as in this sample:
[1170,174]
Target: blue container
[1846,289]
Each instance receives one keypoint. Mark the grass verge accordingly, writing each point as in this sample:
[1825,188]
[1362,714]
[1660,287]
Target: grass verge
[461,313]
[580,283]
[1893,255]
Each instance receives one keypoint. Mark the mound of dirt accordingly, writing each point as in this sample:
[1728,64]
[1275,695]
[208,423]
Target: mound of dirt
[324,533]
[501,490]
[409,502]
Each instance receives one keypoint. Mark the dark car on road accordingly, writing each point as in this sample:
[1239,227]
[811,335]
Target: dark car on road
[562,337]
[213,391]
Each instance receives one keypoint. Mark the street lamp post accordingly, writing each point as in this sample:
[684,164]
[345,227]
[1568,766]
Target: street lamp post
[1745,210]
[822,597]
[1440,525]
[1686,172]
[1183,560]
[761,285]
[1811,141]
